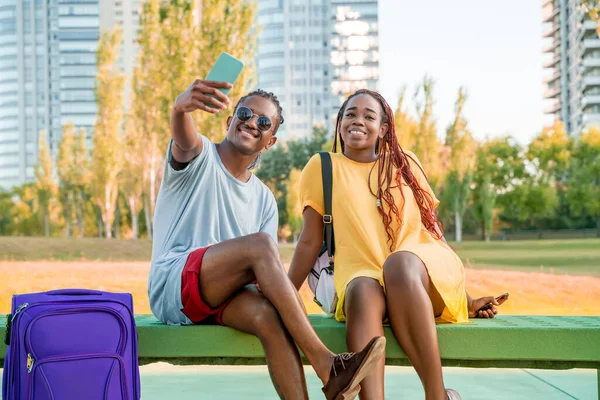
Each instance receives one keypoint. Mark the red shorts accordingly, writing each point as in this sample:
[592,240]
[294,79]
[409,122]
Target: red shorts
[193,306]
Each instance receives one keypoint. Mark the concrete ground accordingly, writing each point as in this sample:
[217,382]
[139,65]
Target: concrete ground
[166,382]
[163,381]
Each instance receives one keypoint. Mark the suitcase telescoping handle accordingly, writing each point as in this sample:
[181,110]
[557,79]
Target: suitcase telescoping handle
[74,292]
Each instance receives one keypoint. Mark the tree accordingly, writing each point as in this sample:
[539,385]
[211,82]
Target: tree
[550,152]
[81,179]
[45,184]
[174,51]
[65,169]
[107,151]
[583,191]
[301,150]
[132,175]
[406,127]
[499,168]
[484,193]
[462,161]
[529,203]
[274,171]
[294,208]
[427,147]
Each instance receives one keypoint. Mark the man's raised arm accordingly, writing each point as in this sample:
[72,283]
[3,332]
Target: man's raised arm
[187,142]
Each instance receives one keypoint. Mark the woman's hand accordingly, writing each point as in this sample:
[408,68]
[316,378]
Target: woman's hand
[475,304]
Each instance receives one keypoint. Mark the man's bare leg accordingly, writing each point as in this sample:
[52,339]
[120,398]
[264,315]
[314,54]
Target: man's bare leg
[250,312]
[228,266]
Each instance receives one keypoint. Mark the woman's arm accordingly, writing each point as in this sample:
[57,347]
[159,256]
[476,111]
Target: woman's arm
[308,247]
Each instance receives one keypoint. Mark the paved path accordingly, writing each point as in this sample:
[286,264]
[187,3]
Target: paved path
[163,381]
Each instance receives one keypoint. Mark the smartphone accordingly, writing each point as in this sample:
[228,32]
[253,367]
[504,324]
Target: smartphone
[500,299]
[227,68]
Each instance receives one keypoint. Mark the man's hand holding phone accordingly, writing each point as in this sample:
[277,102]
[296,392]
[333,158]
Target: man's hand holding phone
[200,93]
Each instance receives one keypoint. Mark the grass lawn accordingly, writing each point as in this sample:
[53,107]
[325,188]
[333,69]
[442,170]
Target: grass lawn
[571,256]
[39,264]
[17,248]
[568,256]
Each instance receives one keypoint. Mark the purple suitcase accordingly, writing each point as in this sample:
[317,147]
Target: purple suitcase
[71,344]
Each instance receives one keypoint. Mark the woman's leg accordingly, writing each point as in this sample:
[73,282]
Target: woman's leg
[412,303]
[365,310]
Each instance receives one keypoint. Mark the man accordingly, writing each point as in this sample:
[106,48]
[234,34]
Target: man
[215,232]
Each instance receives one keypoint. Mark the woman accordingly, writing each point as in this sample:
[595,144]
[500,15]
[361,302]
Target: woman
[392,262]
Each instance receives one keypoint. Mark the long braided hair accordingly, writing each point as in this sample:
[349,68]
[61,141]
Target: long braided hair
[389,156]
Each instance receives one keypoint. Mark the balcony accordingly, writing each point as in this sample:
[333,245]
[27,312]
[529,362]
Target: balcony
[590,99]
[552,46]
[548,16]
[551,63]
[589,44]
[552,92]
[551,78]
[552,108]
[590,80]
[590,118]
[591,62]
[551,31]
[589,25]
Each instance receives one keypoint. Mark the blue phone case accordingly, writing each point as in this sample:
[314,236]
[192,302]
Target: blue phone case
[227,68]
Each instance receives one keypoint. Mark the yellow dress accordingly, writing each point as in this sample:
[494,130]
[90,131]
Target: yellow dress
[361,246]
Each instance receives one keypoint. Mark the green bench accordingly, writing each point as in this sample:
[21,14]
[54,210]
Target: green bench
[504,342]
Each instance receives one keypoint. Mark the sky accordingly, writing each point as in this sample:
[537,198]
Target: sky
[493,49]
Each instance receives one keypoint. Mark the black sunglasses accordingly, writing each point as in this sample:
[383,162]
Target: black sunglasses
[245,114]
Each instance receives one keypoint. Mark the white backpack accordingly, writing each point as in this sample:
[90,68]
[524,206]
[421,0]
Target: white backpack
[320,279]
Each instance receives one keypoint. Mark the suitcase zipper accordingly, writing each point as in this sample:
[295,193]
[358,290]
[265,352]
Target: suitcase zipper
[117,357]
[30,362]
[122,342]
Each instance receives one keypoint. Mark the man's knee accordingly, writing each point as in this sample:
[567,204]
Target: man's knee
[403,269]
[263,245]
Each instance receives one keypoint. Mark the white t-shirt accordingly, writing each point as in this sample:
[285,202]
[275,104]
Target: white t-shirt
[200,205]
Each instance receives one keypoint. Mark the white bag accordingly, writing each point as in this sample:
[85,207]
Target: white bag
[320,281]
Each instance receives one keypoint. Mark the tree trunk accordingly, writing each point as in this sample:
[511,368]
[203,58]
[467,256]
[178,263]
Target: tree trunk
[100,224]
[458,227]
[117,221]
[108,228]
[134,217]
[484,234]
[80,223]
[152,199]
[47,224]
[68,226]
[80,213]
[598,227]
[148,217]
